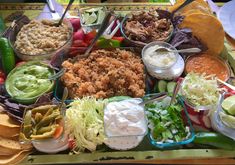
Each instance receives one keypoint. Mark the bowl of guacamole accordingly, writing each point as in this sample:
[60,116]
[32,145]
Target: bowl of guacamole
[29,81]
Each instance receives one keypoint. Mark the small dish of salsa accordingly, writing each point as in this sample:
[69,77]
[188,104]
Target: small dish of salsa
[208,64]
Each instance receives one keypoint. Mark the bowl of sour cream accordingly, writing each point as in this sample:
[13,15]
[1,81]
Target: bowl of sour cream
[162,65]
[125,123]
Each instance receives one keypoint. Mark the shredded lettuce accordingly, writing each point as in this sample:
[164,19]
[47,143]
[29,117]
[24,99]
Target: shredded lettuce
[200,90]
[84,121]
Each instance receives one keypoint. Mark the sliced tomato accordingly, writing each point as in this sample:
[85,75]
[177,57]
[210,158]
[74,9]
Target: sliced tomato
[58,132]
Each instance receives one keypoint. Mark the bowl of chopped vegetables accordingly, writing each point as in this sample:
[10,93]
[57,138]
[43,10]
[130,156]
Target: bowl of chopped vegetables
[200,92]
[169,125]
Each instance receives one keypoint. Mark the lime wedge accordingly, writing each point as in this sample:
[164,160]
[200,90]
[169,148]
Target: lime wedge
[228,120]
[85,16]
[229,105]
[91,19]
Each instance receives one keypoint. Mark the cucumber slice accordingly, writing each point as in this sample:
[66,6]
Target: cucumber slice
[162,84]
[171,86]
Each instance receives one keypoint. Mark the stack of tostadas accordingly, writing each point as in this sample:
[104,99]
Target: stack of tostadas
[205,26]
[11,151]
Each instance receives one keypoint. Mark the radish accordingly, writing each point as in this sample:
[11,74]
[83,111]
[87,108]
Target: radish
[191,110]
[75,23]
[194,119]
[205,121]
[79,35]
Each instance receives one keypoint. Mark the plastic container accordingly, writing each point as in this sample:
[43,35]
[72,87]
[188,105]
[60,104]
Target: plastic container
[50,144]
[58,91]
[166,72]
[130,117]
[218,124]
[171,145]
[124,142]
[164,14]
[97,22]
[47,56]
[195,107]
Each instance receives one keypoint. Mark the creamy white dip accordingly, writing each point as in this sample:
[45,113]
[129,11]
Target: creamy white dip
[125,118]
[159,59]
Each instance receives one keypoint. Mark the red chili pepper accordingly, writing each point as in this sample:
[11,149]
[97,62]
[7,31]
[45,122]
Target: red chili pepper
[120,39]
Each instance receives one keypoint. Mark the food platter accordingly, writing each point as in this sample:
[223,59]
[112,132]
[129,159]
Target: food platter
[99,101]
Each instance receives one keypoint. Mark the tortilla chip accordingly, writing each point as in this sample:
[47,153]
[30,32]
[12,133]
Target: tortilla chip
[207,29]
[9,132]
[200,5]
[14,159]
[13,145]
[7,151]
[5,120]
[8,127]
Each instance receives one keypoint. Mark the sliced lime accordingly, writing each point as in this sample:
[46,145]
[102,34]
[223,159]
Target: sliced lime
[229,105]
[85,16]
[91,19]
[228,120]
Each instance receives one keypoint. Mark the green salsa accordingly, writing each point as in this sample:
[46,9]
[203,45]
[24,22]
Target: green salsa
[29,81]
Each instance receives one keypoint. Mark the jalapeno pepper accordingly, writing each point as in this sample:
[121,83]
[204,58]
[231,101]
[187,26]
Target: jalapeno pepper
[214,139]
[47,120]
[45,135]
[8,57]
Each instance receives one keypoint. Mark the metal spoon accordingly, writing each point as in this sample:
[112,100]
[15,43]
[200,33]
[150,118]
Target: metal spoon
[190,50]
[64,97]
[67,8]
[158,96]
[57,75]
[226,84]
[175,92]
